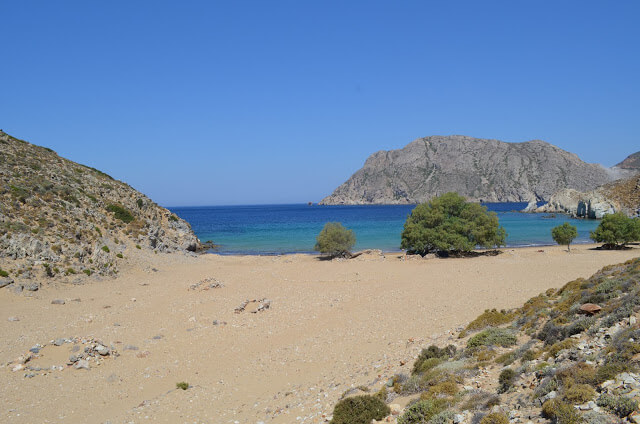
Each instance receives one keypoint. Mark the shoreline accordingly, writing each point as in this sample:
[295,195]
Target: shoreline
[266,254]
[330,326]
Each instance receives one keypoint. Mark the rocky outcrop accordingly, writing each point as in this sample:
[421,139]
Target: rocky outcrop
[58,217]
[618,196]
[479,169]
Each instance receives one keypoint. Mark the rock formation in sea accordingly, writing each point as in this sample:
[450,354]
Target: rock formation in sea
[479,169]
[58,217]
[618,196]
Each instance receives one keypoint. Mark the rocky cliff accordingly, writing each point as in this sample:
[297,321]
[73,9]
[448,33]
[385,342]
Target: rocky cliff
[631,162]
[479,169]
[58,217]
[618,196]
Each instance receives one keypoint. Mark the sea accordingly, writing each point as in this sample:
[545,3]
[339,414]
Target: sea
[286,229]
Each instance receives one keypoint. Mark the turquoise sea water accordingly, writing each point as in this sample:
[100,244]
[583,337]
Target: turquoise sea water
[277,229]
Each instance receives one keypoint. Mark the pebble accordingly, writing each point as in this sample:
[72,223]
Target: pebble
[5,282]
[130,347]
[59,342]
[102,350]
[57,302]
[32,286]
[13,319]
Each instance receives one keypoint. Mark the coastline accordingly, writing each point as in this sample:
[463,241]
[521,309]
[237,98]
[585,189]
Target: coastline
[330,326]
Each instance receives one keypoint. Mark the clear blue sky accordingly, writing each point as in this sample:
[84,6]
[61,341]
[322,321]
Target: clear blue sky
[240,102]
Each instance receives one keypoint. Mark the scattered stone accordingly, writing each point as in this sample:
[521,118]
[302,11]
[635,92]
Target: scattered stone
[73,359]
[590,308]
[158,337]
[5,282]
[130,347]
[102,350]
[632,320]
[32,286]
[57,302]
[143,354]
[261,305]
[218,322]
[209,282]
[59,342]
[82,364]
[13,319]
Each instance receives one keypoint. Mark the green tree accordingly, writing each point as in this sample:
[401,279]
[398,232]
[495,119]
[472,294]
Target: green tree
[616,230]
[564,234]
[334,240]
[449,224]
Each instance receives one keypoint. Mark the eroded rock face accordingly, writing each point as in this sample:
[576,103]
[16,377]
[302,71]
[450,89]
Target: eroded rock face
[619,196]
[58,217]
[479,169]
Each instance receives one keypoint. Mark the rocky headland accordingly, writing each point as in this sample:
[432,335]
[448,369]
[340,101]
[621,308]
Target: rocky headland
[479,169]
[618,196]
[63,220]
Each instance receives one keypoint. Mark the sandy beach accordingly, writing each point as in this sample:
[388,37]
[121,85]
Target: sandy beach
[325,327]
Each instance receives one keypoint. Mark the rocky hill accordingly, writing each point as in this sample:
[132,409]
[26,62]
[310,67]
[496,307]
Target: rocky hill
[631,162]
[567,356]
[618,196]
[479,169]
[60,218]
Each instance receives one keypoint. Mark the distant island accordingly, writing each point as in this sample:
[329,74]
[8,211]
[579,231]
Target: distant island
[479,169]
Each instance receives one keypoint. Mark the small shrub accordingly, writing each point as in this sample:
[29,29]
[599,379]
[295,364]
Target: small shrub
[564,234]
[610,370]
[359,410]
[106,249]
[87,271]
[334,240]
[120,213]
[173,218]
[3,273]
[70,271]
[492,337]
[495,418]
[119,255]
[620,405]
[580,393]
[489,318]
[529,355]
[432,356]
[562,345]
[182,385]
[138,246]
[506,379]
[444,417]
[560,412]
[422,411]
[140,203]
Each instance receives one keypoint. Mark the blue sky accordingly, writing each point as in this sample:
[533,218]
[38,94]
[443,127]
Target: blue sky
[242,102]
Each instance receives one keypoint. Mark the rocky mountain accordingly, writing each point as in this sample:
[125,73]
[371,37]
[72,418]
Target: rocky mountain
[60,218]
[566,356]
[618,196]
[479,169]
[631,162]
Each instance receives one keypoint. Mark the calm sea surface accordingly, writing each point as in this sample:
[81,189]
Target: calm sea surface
[276,229]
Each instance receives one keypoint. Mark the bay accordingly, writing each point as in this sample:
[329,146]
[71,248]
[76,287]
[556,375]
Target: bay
[282,229]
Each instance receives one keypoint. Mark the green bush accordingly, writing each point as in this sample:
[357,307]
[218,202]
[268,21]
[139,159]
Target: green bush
[431,357]
[182,385]
[616,230]
[334,240]
[173,218]
[506,379]
[119,255]
[492,337]
[619,405]
[564,234]
[448,224]
[359,410]
[87,271]
[120,213]
[3,273]
[106,249]
[422,411]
